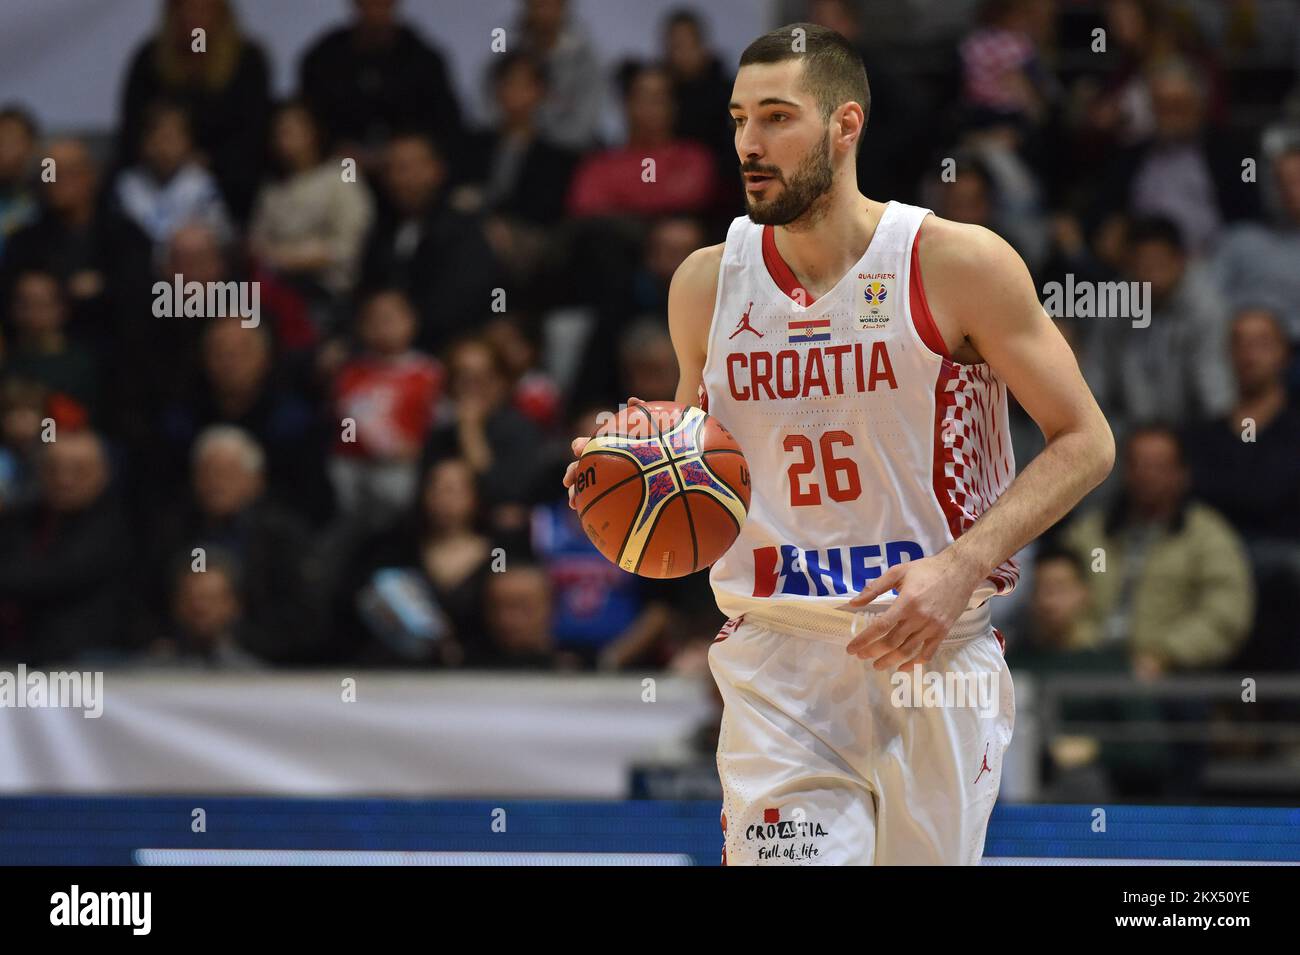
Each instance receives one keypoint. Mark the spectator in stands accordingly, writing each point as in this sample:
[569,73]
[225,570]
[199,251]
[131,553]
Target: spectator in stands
[42,350]
[535,394]
[90,250]
[518,606]
[17,151]
[437,256]
[1004,78]
[168,187]
[570,115]
[1258,259]
[968,197]
[667,244]
[221,80]
[701,87]
[1172,364]
[479,423]
[309,224]
[1185,171]
[62,559]
[375,77]
[1059,639]
[384,400]
[596,605]
[241,386]
[648,361]
[513,169]
[228,513]
[207,620]
[620,181]
[1058,620]
[1246,464]
[1176,588]
[442,542]
[23,412]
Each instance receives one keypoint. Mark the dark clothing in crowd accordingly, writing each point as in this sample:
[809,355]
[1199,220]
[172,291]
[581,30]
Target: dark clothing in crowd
[62,586]
[527,182]
[443,263]
[1254,484]
[271,549]
[229,123]
[365,94]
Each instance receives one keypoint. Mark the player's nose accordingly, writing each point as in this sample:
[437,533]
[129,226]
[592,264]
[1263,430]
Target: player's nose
[748,146]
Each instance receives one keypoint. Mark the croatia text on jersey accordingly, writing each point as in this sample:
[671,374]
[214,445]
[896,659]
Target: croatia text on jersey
[787,569]
[815,371]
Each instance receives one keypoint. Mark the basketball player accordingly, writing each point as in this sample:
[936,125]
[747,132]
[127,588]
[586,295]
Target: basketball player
[861,353]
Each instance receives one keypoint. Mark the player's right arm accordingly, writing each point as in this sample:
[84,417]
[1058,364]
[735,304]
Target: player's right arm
[690,313]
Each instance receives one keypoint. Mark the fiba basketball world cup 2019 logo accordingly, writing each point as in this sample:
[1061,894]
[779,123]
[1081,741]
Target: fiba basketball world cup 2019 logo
[875,300]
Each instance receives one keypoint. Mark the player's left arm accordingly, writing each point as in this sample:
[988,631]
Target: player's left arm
[989,305]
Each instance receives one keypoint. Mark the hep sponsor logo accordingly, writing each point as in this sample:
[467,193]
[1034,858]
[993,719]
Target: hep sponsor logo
[792,838]
[787,569]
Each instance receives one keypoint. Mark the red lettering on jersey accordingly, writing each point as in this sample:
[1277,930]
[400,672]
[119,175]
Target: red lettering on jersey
[838,352]
[814,375]
[736,358]
[761,377]
[792,357]
[881,370]
[857,365]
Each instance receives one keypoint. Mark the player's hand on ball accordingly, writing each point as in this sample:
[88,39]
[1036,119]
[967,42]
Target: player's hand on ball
[932,593]
[578,444]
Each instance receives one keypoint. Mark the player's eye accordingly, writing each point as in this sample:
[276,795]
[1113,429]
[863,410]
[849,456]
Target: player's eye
[780,117]
[737,121]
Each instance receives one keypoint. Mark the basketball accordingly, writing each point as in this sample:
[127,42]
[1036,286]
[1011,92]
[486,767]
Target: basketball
[662,489]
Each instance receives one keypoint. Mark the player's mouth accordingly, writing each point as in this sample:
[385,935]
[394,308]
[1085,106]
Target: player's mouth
[757,181]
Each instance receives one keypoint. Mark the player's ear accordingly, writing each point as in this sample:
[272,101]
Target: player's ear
[848,122]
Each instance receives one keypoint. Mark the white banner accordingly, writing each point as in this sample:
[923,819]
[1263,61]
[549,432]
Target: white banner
[411,735]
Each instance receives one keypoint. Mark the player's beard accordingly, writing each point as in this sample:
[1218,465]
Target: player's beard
[811,181]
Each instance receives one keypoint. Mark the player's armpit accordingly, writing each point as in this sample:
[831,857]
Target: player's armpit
[690,312]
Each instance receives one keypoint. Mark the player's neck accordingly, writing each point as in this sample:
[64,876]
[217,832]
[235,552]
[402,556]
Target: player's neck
[820,251]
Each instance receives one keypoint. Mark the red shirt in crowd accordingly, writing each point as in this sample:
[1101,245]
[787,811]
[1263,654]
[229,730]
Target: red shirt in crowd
[392,401]
[610,183]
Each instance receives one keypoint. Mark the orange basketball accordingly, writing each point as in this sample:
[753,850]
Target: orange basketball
[662,489]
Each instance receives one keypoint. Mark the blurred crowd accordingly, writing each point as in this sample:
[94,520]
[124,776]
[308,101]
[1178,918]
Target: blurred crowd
[370,471]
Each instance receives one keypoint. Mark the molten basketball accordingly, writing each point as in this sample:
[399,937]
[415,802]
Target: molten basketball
[662,489]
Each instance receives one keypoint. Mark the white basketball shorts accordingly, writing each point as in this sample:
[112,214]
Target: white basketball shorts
[827,761]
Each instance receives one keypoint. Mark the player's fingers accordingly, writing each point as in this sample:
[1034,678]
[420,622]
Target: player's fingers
[903,654]
[578,444]
[878,628]
[882,584]
[570,473]
[930,648]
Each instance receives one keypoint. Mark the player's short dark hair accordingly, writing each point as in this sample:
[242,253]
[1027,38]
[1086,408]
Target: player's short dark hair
[833,70]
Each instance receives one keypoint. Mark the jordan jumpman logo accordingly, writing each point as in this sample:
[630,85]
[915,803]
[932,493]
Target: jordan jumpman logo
[744,326]
[984,768]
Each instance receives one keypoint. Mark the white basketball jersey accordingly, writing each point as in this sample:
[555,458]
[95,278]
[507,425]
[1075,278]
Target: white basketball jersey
[867,446]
